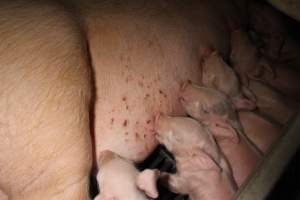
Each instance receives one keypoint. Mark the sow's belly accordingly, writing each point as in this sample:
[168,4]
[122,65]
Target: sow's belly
[130,94]
[139,66]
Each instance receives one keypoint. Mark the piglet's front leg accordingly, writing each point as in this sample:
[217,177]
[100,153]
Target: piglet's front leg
[218,75]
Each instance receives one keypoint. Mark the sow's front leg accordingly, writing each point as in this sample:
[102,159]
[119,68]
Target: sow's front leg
[45,147]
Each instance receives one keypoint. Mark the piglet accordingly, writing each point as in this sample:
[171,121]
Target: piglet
[214,109]
[250,65]
[270,26]
[270,102]
[246,59]
[290,55]
[118,179]
[260,130]
[286,81]
[218,75]
[202,171]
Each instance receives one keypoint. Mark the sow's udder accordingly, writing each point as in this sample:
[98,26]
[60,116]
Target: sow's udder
[132,87]
[125,123]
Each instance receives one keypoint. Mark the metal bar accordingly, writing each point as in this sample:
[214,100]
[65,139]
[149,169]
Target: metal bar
[272,166]
[290,7]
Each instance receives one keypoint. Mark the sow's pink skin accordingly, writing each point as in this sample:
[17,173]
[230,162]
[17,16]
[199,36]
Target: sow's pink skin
[202,171]
[214,109]
[218,75]
[118,179]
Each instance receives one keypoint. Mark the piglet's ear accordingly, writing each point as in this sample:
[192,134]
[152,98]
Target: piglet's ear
[248,93]
[242,103]
[267,67]
[147,182]
[105,156]
[222,130]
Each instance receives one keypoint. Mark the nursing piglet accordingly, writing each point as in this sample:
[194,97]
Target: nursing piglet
[270,102]
[250,65]
[270,26]
[213,108]
[202,171]
[246,59]
[218,75]
[119,179]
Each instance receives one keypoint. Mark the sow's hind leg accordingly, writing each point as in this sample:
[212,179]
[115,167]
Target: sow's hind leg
[45,147]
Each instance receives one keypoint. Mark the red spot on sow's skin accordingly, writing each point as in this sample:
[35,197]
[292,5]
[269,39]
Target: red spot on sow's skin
[125,123]
[137,135]
[162,93]
[141,84]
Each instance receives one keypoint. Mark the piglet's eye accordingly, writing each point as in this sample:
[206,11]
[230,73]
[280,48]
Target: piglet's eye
[204,109]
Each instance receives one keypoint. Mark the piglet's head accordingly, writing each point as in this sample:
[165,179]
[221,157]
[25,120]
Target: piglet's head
[164,131]
[215,72]
[177,133]
[105,157]
[210,69]
[213,63]
[201,102]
